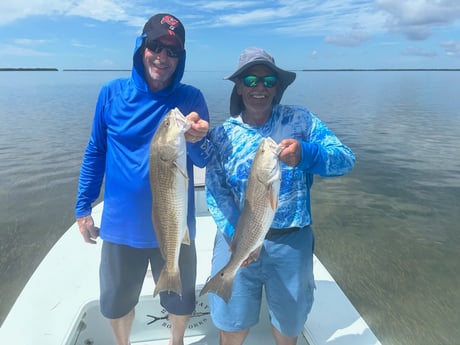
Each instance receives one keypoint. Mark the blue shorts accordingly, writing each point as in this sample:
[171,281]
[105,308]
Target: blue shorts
[284,268]
[122,272]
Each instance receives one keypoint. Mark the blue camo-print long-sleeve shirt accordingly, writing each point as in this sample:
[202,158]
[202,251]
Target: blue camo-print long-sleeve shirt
[235,144]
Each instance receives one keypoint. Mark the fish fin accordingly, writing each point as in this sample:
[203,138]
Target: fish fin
[221,284]
[183,173]
[273,197]
[168,281]
[186,239]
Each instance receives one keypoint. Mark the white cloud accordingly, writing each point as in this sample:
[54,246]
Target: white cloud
[29,42]
[265,16]
[342,22]
[11,11]
[416,18]
[292,17]
[224,5]
[421,12]
[351,39]
[452,48]
[330,18]
[417,51]
[18,51]
[80,44]
[103,10]
[107,63]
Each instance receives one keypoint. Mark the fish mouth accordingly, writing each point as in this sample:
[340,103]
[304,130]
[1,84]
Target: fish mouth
[181,120]
[274,147]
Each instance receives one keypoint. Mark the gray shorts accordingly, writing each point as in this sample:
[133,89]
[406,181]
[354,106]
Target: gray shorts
[122,272]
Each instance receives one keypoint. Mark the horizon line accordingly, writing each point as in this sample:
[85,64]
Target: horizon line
[54,69]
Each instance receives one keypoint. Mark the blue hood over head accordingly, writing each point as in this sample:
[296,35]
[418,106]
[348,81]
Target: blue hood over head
[138,70]
[126,117]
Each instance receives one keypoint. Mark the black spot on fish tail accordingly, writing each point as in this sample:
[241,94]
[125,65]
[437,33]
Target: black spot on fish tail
[221,284]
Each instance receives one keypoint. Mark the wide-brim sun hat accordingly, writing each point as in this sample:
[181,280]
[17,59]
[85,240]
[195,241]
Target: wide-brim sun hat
[257,56]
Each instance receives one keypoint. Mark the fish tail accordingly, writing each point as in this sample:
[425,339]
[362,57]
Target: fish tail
[186,239]
[221,284]
[168,281]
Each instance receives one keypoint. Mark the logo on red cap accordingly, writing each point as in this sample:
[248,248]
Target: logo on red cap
[171,21]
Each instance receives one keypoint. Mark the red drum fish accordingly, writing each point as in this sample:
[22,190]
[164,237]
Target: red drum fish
[169,185]
[260,205]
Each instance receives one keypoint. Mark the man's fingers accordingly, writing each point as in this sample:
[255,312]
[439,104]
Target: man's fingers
[87,229]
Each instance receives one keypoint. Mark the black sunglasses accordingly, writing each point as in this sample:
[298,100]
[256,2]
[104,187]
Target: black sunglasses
[252,80]
[157,47]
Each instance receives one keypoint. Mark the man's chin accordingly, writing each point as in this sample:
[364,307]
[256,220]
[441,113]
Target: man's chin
[159,77]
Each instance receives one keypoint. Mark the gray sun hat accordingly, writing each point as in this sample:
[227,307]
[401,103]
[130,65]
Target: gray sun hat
[256,56]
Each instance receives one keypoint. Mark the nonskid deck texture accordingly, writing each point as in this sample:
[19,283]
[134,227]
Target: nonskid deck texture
[151,326]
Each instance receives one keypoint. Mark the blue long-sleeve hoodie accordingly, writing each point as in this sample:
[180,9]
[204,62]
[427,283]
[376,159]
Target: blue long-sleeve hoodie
[126,117]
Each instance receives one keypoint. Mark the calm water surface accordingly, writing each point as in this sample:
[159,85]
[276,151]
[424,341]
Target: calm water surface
[388,231]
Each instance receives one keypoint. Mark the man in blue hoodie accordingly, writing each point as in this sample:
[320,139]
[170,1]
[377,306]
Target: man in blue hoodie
[128,112]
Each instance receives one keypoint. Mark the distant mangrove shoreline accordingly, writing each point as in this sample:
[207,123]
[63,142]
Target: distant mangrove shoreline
[27,69]
[20,69]
[379,69]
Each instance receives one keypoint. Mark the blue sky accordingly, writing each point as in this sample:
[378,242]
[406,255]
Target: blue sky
[300,34]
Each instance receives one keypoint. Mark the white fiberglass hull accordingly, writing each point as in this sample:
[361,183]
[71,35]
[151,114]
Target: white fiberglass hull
[59,304]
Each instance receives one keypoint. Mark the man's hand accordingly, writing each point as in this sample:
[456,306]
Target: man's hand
[291,153]
[199,128]
[253,256]
[87,229]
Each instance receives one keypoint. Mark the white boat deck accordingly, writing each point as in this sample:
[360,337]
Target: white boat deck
[67,308]
[150,321]
[201,331]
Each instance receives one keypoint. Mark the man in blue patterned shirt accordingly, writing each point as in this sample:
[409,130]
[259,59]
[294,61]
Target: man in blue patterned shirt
[285,264]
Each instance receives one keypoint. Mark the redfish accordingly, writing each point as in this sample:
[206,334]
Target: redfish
[169,185]
[260,205]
